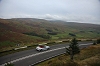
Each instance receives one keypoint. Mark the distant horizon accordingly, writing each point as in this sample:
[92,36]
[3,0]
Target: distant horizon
[53,20]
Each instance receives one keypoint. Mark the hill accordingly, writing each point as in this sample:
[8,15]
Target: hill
[31,31]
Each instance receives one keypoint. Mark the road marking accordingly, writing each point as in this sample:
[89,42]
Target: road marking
[46,59]
[39,54]
[86,44]
[55,55]
[32,55]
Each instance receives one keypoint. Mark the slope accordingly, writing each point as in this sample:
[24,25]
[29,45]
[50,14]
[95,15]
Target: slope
[30,31]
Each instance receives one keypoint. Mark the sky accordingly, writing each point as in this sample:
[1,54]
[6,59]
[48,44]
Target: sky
[84,11]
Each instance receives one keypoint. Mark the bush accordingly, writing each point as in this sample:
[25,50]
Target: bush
[35,34]
[52,33]
[79,40]
[89,40]
[51,43]
[44,36]
[98,41]
[71,34]
[66,41]
[94,43]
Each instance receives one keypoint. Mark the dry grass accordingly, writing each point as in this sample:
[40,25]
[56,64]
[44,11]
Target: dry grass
[92,61]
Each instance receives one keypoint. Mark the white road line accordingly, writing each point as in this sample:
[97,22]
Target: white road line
[32,55]
[46,59]
[56,55]
[38,54]
[86,44]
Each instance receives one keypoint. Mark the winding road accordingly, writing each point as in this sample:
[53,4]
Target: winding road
[32,57]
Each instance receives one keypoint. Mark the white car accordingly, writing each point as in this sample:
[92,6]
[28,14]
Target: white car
[42,47]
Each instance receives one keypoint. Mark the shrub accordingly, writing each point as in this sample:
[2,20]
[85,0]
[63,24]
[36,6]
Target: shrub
[98,41]
[89,40]
[66,41]
[52,33]
[35,34]
[94,43]
[71,34]
[79,40]
[51,43]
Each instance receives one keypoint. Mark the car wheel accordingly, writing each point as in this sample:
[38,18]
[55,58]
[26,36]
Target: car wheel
[40,50]
[48,48]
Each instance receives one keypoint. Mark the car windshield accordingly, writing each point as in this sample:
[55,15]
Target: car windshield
[41,46]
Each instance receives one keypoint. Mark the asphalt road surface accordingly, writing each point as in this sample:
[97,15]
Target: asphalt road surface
[31,57]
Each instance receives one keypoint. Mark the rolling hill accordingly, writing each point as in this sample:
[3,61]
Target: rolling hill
[32,30]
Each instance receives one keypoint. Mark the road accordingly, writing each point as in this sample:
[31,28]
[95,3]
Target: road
[31,57]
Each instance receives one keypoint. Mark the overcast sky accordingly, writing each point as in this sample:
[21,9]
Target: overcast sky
[87,11]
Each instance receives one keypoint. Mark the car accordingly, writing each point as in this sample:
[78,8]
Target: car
[42,47]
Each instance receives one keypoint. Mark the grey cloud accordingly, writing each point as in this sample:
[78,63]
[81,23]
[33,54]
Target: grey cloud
[68,10]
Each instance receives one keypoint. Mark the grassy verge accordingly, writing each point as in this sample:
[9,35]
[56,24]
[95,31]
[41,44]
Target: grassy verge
[88,57]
